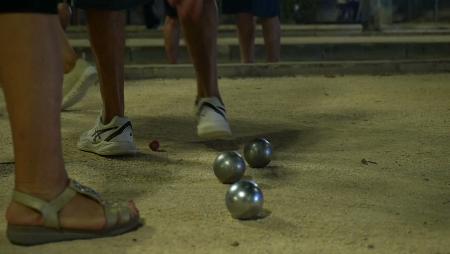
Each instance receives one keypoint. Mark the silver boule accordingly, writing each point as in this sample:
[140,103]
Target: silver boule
[229,167]
[258,153]
[244,200]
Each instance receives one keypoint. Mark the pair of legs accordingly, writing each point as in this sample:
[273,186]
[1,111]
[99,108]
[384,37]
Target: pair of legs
[112,133]
[246,32]
[31,73]
[108,44]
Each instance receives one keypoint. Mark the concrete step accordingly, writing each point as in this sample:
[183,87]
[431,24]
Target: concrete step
[230,31]
[329,69]
[305,48]
[80,32]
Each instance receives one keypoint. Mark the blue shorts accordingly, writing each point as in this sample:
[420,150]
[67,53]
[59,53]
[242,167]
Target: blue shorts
[259,8]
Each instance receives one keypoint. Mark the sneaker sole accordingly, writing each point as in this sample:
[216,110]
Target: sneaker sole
[88,77]
[106,148]
[212,132]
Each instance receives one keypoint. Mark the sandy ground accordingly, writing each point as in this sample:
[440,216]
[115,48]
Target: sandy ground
[321,197]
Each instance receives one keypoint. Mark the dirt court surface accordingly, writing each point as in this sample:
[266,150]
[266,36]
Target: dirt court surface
[322,198]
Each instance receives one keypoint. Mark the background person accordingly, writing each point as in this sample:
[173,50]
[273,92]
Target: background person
[268,12]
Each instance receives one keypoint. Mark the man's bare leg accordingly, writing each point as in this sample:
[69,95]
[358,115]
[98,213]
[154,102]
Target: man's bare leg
[172,38]
[32,86]
[246,34]
[272,37]
[201,39]
[107,35]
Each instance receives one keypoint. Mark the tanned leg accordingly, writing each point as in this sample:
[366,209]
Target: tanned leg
[272,37]
[107,35]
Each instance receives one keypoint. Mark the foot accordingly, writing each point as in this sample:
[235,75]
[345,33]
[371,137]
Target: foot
[114,138]
[81,213]
[212,119]
[77,82]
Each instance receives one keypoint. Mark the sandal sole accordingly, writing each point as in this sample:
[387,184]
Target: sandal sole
[34,235]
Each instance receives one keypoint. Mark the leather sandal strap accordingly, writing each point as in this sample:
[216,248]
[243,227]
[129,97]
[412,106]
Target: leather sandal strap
[31,202]
[111,216]
[48,210]
[115,213]
[86,191]
[125,215]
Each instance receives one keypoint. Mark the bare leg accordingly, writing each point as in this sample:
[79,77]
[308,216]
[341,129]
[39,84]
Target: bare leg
[33,99]
[69,55]
[107,35]
[246,34]
[272,37]
[172,38]
[32,86]
[201,39]
[64,13]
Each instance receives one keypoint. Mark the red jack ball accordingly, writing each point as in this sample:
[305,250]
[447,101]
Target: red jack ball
[154,145]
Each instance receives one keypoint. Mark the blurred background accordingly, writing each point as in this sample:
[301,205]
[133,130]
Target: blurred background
[381,12]
[318,36]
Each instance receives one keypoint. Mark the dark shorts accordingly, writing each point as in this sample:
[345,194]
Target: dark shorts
[30,6]
[259,8]
[50,6]
[169,10]
[107,5]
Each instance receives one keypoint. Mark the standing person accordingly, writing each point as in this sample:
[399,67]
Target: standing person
[171,27]
[47,206]
[268,12]
[354,7]
[367,13]
[112,133]
[343,11]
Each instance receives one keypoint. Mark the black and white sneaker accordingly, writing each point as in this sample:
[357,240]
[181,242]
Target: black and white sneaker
[114,138]
[212,119]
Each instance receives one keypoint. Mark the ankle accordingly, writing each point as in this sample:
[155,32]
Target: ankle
[43,191]
[107,118]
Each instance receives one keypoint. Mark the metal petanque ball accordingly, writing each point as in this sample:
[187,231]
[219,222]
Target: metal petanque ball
[229,167]
[244,200]
[258,153]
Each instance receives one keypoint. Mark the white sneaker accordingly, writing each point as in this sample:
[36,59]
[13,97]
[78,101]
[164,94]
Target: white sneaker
[114,138]
[77,82]
[212,119]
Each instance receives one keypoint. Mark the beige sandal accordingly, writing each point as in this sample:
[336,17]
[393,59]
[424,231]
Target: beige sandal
[52,231]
